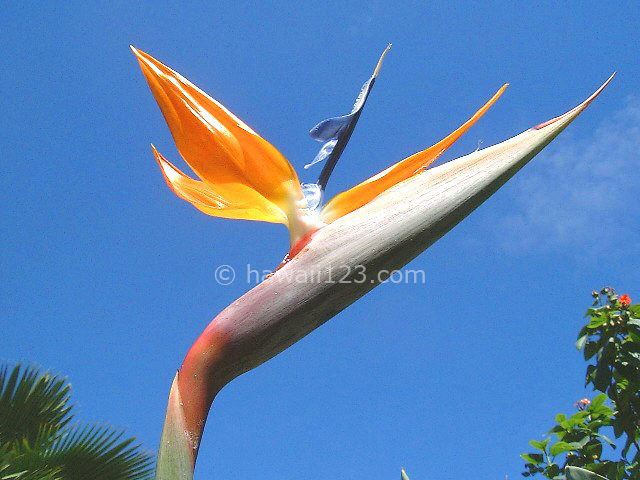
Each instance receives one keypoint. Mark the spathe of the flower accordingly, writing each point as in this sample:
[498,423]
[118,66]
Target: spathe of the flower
[176,457]
[381,236]
[364,192]
[235,164]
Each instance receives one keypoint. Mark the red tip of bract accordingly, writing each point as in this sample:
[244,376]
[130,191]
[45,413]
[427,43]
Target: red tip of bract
[580,107]
[297,248]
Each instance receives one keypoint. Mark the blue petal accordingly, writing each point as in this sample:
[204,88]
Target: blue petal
[324,152]
[330,128]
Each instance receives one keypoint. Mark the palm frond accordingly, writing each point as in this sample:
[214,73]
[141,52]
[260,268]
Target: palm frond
[29,402]
[99,453]
[6,473]
[12,467]
[37,442]
[85,453]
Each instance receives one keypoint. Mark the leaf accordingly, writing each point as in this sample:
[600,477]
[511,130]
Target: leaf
[403,475]
[30,401]
[628,443]
[10,469]
[83,453]
[562,447]
[584,440]
[607,439]
[51,450]
[577,473]
[591,349]
[86,453]
[597,321]
[593,450]
[553,470]
[598,401]
[609,350]
[634,321]
[602,377]
[618,426]
[534,458]
[581,341]
[634,336]
[540,445]
[99,452]
[633,358]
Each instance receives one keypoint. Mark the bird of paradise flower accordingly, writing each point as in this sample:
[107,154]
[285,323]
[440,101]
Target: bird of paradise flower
[242,176]
[380,225]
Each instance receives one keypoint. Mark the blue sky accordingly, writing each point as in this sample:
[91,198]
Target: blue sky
[107,277]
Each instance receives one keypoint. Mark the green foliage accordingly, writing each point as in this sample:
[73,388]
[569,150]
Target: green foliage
[29,401]
[37,442]
[610,341]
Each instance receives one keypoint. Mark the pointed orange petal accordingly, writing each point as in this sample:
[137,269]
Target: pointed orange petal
[366,191]
[206,199]
[218,146]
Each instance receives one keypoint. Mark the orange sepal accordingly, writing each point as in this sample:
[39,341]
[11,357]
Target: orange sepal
[206,199]
[366,191]
[220,148]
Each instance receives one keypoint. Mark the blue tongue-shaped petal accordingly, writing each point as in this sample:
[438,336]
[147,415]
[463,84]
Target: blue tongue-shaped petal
[335,132]
[329,129]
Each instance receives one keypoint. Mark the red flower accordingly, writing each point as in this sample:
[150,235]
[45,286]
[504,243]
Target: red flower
[582,404]
[625,300]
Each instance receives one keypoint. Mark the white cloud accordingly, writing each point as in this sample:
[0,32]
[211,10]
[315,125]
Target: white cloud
[586,193]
